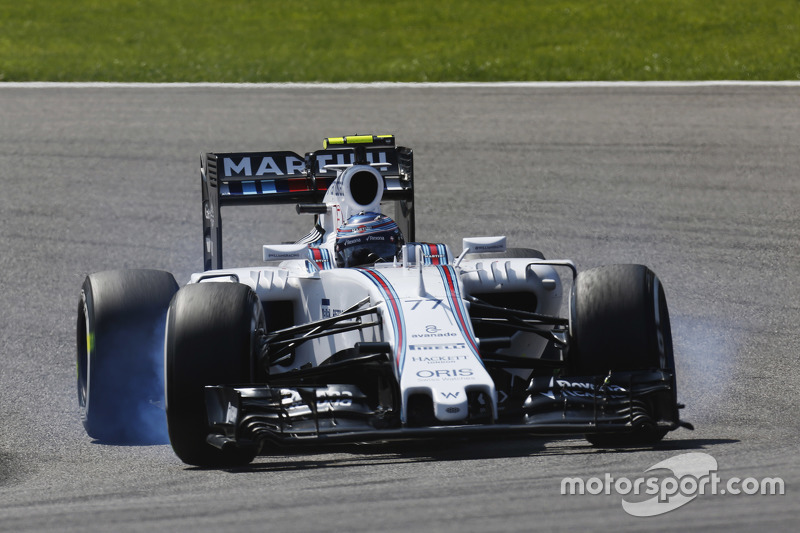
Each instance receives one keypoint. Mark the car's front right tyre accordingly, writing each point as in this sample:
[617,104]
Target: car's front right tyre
[211,339]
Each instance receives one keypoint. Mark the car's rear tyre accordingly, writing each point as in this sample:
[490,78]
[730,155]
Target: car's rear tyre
[120,339]
[620,322]
[211,339]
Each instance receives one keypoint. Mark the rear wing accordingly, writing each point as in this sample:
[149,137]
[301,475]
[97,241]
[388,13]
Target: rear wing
[282,177]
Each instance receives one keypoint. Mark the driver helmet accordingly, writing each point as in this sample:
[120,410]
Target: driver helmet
[367,238]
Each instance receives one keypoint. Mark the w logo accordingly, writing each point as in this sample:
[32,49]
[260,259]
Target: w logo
[451,395]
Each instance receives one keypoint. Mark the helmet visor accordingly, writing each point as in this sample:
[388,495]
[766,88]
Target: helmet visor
[370,252]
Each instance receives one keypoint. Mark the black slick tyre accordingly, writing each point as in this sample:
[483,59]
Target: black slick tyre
[211,339]
[620,322]
[120,338]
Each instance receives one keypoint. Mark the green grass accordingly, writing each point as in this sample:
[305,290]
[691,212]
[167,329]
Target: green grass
[398,40]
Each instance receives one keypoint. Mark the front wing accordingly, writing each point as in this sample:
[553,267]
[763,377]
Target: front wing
[327,413]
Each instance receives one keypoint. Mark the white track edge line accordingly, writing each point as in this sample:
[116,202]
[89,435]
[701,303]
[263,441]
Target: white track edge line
[390,85]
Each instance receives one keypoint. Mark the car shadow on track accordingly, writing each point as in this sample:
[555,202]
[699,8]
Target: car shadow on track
[585,448]
[391,452]
[432,450]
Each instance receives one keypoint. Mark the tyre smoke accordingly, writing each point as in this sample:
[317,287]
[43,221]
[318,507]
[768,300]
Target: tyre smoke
[133,384]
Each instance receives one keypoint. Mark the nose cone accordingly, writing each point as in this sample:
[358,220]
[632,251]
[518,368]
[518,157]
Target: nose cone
[449,404]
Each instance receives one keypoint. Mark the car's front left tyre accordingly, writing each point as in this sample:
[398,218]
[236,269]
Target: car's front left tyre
[620,323]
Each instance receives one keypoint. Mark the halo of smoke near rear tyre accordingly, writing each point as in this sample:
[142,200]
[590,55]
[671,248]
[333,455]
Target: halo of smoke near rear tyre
[120,332]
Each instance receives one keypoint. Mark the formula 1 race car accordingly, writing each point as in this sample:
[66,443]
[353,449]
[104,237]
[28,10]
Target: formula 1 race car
[359,332]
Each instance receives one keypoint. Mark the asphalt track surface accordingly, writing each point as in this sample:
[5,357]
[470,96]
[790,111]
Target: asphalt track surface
[700,183]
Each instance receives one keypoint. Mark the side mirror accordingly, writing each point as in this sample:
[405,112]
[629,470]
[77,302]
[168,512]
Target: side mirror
[285,252]
[482,245]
